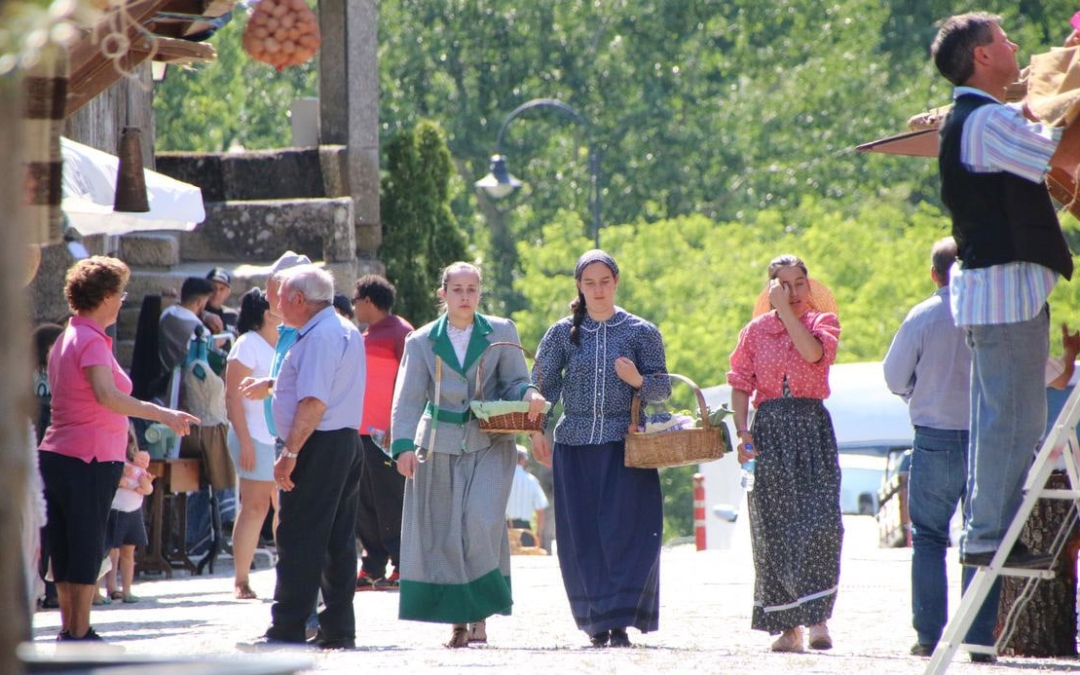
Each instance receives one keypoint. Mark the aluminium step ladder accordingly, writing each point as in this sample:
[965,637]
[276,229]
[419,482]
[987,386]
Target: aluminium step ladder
[1062,436]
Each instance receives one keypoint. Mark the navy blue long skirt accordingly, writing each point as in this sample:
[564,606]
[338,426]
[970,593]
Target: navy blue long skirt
[609,523]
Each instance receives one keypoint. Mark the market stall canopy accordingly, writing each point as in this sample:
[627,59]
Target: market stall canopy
[89,189]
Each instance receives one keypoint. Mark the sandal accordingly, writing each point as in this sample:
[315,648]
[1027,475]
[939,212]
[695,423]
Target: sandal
[459,637]
[131,599]
[244,592]
[819,637]
[117,595]
[102,600]
[791,640]
[478,632]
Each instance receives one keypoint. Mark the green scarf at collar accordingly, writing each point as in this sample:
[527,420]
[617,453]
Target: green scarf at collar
[444,349]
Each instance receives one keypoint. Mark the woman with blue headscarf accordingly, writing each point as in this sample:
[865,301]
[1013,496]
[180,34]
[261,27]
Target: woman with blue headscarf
[608,518]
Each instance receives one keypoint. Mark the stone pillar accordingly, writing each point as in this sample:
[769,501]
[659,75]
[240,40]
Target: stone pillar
[349,110]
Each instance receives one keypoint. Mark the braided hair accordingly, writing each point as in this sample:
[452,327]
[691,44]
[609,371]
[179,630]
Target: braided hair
[577,307]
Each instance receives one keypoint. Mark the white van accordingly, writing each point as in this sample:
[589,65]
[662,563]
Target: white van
[869,421]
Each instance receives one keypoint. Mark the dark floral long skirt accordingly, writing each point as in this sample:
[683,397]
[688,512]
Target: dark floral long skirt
[795,524]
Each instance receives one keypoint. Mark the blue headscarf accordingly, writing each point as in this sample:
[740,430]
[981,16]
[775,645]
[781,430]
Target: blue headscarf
[596,255]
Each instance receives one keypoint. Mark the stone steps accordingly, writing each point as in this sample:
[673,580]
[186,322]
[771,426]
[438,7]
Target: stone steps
[150,249]
[259,204]
[320,228]
[261,174]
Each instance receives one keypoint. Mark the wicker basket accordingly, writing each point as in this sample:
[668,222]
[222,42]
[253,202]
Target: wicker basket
[673,448]
[511,422]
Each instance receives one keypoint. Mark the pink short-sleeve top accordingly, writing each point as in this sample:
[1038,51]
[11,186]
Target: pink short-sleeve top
[765,355]
[81,427]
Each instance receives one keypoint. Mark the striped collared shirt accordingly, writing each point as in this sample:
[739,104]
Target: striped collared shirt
[999,138]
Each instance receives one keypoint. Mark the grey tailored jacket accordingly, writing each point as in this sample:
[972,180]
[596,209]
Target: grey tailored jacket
[506,378]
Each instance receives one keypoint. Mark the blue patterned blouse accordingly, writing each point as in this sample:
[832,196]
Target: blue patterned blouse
[596,403]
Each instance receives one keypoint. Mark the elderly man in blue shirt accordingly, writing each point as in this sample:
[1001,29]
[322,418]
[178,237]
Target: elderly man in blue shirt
[929,366]
[318,402]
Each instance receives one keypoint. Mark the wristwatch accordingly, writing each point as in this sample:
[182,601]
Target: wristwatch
[289,455]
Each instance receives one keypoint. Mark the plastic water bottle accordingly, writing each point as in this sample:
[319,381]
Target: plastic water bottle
[748,475]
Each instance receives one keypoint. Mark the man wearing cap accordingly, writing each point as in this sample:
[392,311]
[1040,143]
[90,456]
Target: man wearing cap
[178,322]
[217,317]
[260,389]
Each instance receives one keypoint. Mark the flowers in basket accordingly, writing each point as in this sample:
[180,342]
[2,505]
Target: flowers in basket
[663,422]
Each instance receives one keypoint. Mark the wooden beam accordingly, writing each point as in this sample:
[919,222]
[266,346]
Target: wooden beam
[179,52]
[91,72]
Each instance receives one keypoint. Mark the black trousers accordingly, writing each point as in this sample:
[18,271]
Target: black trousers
[316,544]
[378,514]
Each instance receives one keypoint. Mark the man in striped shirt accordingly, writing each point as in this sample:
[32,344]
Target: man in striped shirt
[993,160]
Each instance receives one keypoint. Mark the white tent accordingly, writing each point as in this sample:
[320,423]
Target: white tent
[89,189]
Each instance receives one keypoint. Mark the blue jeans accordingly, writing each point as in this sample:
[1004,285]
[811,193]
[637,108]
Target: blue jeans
[1008,416]
[936,484]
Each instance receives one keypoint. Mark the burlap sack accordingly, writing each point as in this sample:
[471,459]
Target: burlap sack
[1054,86]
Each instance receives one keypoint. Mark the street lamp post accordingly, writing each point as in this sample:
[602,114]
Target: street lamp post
[500,182]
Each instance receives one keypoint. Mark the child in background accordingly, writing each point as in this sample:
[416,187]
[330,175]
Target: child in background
[126,529]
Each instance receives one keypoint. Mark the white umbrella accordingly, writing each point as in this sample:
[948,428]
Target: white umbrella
[89,189]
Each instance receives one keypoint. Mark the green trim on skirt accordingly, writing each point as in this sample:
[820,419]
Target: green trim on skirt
[456,603]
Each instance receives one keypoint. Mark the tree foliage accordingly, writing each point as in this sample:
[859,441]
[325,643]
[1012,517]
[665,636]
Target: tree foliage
[420,232]
[726,131]
[698,280]
[230,102]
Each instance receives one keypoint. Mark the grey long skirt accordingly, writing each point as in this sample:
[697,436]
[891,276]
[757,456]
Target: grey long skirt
[455,556]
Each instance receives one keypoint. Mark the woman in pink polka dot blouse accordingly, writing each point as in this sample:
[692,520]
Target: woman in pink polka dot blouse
[781,365]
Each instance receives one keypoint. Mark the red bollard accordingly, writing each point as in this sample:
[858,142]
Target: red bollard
[699,511]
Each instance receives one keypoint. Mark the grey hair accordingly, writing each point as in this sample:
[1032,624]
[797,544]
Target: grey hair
[315,283]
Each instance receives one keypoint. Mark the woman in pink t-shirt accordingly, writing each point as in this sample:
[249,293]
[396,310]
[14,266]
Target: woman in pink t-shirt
[82,453]
[782,360]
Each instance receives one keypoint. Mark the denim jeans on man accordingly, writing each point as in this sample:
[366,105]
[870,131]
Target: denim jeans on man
[1008,415]
[936,484]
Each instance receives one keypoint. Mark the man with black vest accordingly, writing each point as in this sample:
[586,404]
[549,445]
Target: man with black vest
[993,161]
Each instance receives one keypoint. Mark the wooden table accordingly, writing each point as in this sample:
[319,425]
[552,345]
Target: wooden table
[175,478]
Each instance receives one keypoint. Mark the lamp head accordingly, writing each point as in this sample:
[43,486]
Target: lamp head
[499,182]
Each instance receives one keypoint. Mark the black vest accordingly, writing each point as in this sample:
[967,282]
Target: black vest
[997,217]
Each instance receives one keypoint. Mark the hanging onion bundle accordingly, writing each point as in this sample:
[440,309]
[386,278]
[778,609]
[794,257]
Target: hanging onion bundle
[282,33]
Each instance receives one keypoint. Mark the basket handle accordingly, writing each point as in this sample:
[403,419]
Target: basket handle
[635,403]
[480,366]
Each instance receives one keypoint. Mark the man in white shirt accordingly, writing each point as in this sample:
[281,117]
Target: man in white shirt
[526,498]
